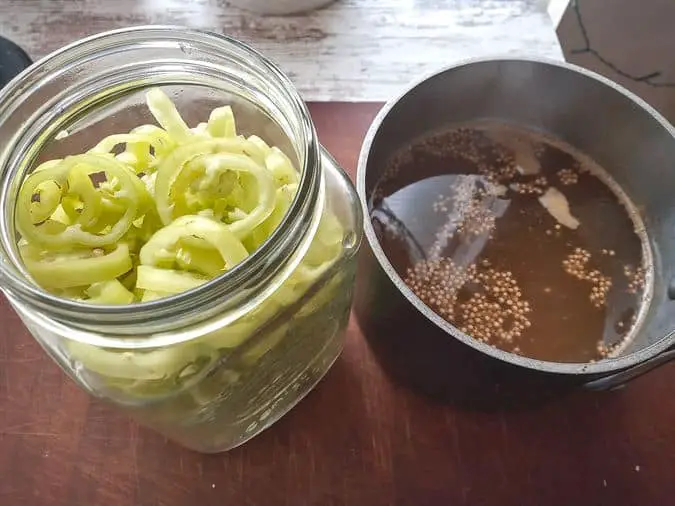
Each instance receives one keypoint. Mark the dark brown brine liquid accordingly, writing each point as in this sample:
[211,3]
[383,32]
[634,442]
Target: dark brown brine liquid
[516,239]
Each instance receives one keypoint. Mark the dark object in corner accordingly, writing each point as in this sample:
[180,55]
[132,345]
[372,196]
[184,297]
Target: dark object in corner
[13,60]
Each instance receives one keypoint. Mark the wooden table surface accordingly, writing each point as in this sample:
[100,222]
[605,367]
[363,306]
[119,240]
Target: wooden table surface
[353,50]
[358,439]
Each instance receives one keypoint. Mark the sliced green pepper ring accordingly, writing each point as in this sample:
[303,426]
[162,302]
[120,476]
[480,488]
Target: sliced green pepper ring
[306,274]
[172,166]
[218,164]
[162,142]
[78,268]
[281,167]
[108,144]
[257,149]
[49,196]
[158,364]
[109,292]
[50,164]
[81,185]
[137,145]
[193,256]
[203,229]
[166,114]
[166,280]
[221,122]
[47,178]
[110,213]
[132,195]
[283,199]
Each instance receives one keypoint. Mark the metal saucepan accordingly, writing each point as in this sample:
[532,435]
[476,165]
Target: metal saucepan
[623,134]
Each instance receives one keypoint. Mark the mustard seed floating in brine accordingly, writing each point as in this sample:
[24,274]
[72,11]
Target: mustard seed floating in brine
[517,239]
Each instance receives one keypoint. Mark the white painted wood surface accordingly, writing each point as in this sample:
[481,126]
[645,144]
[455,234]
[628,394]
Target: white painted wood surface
[353,50]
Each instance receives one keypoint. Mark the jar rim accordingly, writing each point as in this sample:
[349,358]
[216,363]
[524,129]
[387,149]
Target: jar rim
[249,276]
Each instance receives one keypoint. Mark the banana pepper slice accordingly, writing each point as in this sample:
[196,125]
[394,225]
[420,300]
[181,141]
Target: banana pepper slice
[197,231]
[168,281]
[221,122]
[109,292]
[205,165]
[72,178]
[76,268]
[175,174]
[166,114]
[137,153]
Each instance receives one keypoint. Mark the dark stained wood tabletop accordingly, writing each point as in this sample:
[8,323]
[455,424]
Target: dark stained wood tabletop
[358,439]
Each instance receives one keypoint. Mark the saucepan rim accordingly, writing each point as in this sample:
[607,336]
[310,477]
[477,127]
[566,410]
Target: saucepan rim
[604,366]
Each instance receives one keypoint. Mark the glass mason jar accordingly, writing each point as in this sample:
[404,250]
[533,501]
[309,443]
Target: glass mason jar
[214,366]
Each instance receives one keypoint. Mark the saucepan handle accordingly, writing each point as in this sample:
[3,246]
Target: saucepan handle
[620,379]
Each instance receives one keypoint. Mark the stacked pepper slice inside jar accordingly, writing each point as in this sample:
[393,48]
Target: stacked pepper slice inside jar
[157,211]
[177,207]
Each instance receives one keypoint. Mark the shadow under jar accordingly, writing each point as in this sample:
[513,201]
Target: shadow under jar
[213,366]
